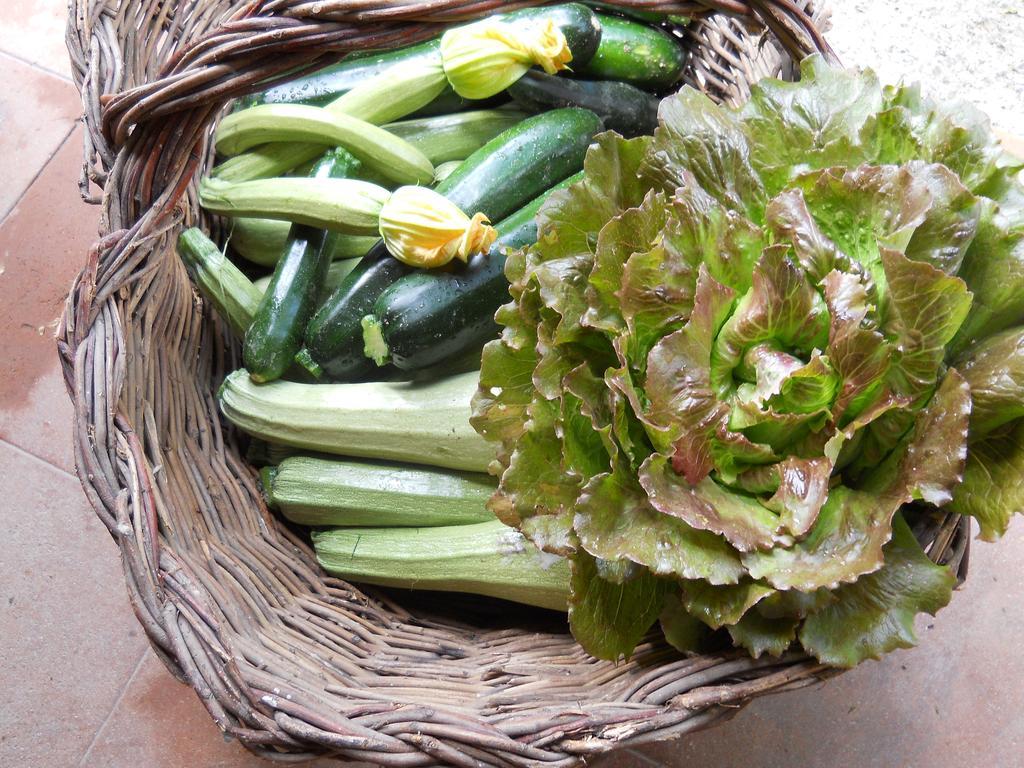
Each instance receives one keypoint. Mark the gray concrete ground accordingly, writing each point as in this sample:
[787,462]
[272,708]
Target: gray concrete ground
[960,49]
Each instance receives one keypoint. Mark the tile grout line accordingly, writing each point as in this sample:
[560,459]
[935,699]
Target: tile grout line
[3,220]
[117,703]
[34,65]
[18,449]
[38,173]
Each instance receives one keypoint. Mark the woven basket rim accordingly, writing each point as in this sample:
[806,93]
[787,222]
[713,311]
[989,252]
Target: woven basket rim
[148,441]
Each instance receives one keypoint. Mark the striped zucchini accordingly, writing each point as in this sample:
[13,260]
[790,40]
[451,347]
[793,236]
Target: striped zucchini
[378,149]
[340,205]
[483,559]
[316,491]
[455,137]
[419,423]
[232,294]
[262,241]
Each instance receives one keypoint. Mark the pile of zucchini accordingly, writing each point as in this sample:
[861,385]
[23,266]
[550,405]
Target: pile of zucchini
[352,352]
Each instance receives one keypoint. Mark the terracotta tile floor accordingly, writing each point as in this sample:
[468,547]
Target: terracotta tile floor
[81,687]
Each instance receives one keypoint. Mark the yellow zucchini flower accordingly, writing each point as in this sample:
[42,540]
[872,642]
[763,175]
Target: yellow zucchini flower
[425,229]
[483,59]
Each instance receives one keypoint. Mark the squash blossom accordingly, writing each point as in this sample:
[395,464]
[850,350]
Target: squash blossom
[425,229]
[483,59]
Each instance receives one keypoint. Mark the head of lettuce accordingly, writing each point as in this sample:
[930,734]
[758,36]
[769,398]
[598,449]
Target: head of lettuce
[748,353]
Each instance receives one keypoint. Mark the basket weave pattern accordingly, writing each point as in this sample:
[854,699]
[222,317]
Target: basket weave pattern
[292,663]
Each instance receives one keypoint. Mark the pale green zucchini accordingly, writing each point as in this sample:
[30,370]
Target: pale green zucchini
[488,559]
[262,241]
[378,149]
[407,87]
[335,274]
[420,423]
[263,283]
[324,492]
[390,96]
[444,170]
[232,294]
[341,205]
[455,137]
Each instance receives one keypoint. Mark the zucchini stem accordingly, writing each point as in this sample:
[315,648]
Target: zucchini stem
[374,345]
[306,361]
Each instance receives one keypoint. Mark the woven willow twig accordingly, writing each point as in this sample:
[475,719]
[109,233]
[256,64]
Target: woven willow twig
[290,662]
[737,51]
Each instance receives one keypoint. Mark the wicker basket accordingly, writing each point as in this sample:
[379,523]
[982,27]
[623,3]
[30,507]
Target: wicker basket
[290,662]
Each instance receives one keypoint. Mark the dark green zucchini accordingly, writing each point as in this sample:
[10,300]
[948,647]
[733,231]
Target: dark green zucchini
[632,52]
[577,22]
[277,329]
[429,317]
[333,336]
[521,163]
[337,272]
[622,107]
[497,179]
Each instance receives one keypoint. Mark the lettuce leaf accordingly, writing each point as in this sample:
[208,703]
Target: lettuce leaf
[761,635]
[721,606]
[614,519]
[745,349]
[811,124]
[993,270]
[698,142]
[876,614]
[992,491]
[609,619]
[681,630]
[994,370]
